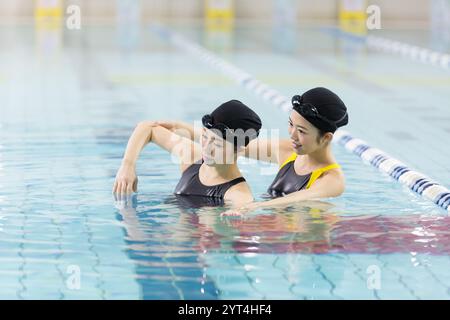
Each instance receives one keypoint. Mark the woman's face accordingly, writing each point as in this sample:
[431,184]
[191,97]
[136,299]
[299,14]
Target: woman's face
[216,150]
[304,136]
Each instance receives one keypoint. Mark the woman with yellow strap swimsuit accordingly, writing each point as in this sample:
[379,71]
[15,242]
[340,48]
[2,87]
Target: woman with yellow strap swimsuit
[308,169]
[288,181]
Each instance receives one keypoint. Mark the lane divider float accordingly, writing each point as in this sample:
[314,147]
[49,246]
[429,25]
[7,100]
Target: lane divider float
[414,53]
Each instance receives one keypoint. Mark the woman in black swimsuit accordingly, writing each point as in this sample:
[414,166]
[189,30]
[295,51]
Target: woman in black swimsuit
[308,169]
[209,169]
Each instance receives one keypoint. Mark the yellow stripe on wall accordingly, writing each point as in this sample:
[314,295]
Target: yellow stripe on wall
[353,16]
[48,8]
[219,9]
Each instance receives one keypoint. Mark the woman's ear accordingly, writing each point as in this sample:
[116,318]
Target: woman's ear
[325,139]
[328,137]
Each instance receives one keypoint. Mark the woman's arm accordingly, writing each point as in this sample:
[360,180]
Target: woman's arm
[327,186]
[239,195]
[145,132]
[126,180]
[183,129]
[272,151]
[139,138]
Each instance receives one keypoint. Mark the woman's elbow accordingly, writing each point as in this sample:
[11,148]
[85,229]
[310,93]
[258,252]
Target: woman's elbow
[145,128]
[145,124]
[339,189]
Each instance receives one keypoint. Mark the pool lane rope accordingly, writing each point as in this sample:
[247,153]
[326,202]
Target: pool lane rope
[414,180]
[415,53]
[396,169]
[381,44]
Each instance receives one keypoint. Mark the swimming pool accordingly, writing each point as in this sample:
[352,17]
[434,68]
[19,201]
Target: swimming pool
[67,112]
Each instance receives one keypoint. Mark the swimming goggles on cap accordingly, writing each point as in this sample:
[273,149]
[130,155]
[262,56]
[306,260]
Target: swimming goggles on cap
[207,121]
[309,110]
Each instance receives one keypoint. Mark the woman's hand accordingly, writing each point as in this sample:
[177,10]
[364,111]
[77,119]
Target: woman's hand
[241,211]
[126,180]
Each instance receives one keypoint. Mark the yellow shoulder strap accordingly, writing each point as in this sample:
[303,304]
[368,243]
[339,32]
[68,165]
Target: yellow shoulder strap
[318,172]
[292,157]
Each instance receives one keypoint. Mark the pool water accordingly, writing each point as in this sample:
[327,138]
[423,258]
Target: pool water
[70,100]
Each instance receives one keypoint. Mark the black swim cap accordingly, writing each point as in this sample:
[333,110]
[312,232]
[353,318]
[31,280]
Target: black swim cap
[331,110]
[243,122]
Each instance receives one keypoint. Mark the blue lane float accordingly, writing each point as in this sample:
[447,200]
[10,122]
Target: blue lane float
[416,181]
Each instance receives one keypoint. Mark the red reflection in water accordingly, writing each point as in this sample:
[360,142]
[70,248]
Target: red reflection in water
[322,233]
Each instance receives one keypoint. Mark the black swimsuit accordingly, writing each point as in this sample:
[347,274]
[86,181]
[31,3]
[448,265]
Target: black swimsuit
[288,181]
[190,185]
